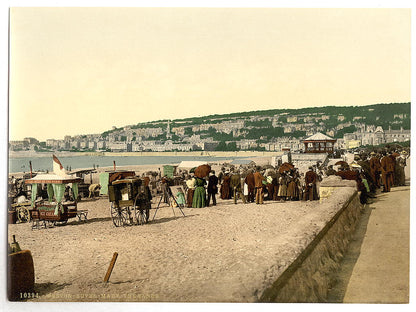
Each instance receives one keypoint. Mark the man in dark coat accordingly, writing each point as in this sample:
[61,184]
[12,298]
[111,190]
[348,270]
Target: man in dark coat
[258,183]
[375,168]
[249,180]
[236,186]
[386,172]
[310,185]
[212,188]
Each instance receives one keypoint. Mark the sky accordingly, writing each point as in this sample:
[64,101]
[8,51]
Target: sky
[84,70]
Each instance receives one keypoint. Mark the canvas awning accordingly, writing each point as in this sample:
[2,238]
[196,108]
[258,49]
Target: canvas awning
[191,163]
[53,178]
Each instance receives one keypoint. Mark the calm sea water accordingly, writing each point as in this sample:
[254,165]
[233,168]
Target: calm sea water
[76,162]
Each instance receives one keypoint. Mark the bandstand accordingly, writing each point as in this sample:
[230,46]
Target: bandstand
[319,143]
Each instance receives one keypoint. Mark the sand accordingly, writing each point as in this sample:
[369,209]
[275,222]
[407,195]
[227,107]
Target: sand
[223,253]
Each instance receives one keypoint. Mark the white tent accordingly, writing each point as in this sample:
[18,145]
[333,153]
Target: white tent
[191,164]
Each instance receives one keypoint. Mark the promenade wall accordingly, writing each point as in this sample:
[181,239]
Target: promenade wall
[312,273]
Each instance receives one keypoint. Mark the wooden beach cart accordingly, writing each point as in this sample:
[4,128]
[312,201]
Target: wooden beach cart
[130,201]
[55,210]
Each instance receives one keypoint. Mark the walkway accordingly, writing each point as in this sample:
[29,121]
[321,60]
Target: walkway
[381,272]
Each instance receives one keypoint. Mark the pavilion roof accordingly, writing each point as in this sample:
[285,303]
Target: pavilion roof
[319,137]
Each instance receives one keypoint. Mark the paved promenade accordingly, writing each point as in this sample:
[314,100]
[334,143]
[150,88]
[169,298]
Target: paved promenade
[381,272]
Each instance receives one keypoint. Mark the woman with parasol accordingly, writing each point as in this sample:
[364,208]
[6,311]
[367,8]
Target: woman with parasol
[199,199]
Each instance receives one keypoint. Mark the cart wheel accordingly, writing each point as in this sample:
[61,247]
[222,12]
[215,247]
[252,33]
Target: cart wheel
[140,214]
[23,214]
[120,216]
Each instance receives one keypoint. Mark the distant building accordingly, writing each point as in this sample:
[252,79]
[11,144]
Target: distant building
[319,143]
[31,140]
[397,135]
[372,135]
[18,145]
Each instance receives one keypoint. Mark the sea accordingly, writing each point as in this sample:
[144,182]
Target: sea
[21,164]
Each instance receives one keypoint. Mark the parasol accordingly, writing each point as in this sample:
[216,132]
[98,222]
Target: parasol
[202,171]
[285,167]
[341,163]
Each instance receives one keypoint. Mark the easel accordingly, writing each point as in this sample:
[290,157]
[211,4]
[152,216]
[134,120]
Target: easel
[170,196]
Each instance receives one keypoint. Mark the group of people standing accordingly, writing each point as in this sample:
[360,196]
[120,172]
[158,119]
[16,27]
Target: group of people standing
[259,184]
[253,185]
[383,169]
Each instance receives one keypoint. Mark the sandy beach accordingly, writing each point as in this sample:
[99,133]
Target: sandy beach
[223,253]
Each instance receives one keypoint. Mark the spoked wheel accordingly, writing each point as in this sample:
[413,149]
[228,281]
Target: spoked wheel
[140,213]
[141,217]
[120,215]
[23,214]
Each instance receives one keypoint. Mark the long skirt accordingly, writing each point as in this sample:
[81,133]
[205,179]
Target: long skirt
[293,190]
[225,191]
[282,190]
[199,197]
[189,198]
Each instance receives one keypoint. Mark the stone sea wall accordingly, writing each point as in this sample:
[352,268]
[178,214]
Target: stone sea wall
[311,274]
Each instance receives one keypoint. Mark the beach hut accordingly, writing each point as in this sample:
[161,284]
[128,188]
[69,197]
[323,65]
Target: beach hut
[169,171]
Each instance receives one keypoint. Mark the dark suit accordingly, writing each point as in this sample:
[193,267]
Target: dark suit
[212,189]
[249,180]
[310,181]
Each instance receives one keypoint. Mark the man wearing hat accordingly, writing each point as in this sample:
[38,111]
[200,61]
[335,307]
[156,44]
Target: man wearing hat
[212,188]
[235,183]
[258,183]
[375,168]
[249,180]
[310,185]
[386,172]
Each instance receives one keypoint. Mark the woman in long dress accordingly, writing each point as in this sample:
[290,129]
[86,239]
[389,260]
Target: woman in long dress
[190,183]
[282,186]
[225,187]
[199,193]
[292,187]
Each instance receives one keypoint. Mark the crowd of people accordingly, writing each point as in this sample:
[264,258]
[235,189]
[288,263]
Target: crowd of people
[371,171]
[257,185]
[374,170]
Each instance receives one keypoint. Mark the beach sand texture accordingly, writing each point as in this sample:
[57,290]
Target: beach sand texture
[224,253]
